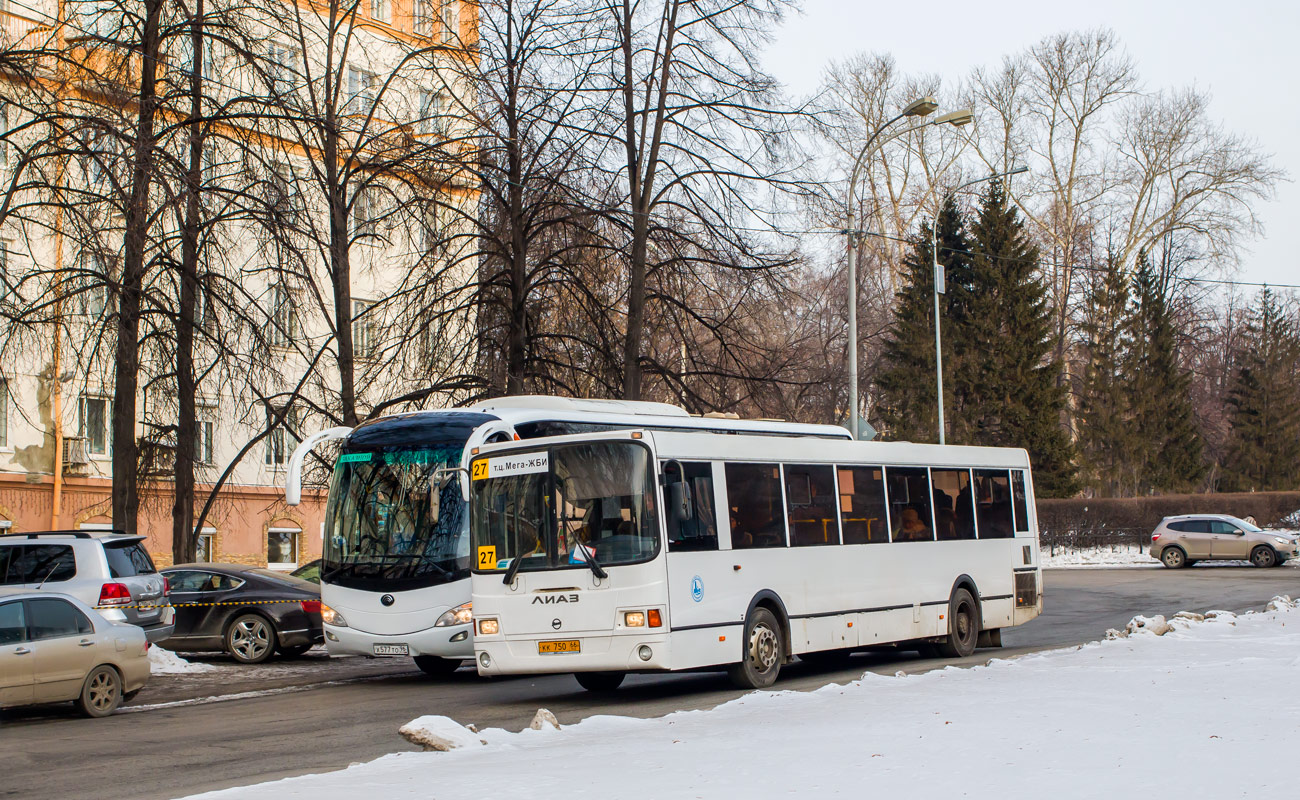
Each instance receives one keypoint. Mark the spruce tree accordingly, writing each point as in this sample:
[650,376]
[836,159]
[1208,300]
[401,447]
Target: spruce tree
[1264,401]
[1105,428]
[905,381]
[1010,380]
[1167,451]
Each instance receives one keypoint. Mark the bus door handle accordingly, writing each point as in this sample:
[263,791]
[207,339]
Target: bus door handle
[736,567]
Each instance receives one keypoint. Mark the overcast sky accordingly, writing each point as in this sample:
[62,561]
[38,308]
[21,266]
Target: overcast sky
[1243,53]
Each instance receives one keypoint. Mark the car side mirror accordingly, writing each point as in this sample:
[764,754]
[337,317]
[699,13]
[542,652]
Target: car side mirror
[679,494]
[1239,531]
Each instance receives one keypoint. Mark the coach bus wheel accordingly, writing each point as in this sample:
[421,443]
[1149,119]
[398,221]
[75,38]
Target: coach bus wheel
[963,626]
[599,681]
[435,666]
[763,654]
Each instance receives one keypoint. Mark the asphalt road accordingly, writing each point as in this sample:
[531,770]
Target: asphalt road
[324,719]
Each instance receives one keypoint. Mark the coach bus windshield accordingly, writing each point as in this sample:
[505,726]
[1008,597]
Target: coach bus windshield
[564,508]
[395,520]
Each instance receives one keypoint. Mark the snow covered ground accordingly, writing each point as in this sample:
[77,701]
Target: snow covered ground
[1209,709]
[1121,556]
[165,662]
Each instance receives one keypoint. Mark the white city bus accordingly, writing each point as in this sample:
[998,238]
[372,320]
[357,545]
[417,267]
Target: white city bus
[395,563]
[642,551]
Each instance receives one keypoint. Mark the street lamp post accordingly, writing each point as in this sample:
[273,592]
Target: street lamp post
[921,107]
[941,288]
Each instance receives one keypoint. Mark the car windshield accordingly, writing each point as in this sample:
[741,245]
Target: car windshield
[394,521]
[560,508]
[1246,526]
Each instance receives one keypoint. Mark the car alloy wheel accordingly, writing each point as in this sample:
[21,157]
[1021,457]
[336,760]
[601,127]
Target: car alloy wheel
[250,639]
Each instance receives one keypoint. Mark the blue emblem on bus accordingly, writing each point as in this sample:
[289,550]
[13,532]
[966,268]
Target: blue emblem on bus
[697,589]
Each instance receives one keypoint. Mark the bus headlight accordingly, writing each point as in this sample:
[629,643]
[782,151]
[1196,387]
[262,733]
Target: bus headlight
[331,617]
[634,619]
[489,627]
[462,614]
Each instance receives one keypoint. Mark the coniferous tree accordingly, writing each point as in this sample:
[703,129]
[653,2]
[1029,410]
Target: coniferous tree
[1105,431]
[905,384]
[1264,441]
[1168,453]
[1011,379]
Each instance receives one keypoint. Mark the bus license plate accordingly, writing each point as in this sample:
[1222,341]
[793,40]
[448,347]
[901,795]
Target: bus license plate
[568,646]
[392,650]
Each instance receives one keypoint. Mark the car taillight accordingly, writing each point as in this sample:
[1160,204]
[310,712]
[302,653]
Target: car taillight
[311,606]
[167,585]
[1155,536]
[114,594]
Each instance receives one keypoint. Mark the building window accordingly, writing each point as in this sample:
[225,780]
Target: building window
[281,441]
[281,65]
[450,21]
[91,287]
[379,10]
[282,548]
[363,329]
[204,552]
[94,424]
[435,114]
[4,413]
[4,130]
[424,17]
[365,213]
[283,317]
[203,438]
[361,90]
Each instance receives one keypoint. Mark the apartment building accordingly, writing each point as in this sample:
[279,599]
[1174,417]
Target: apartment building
[273,301]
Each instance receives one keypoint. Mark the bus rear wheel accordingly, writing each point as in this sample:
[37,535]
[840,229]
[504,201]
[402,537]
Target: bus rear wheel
[437,667]
[763,654]
[599,681]
[963,626]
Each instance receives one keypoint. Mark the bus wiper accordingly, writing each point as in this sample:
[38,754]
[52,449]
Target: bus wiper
[512,570]
[590,553]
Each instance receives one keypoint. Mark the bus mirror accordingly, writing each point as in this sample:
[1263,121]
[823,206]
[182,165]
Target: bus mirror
[679,494]
[441,479]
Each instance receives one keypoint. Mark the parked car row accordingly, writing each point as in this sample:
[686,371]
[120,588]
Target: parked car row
[1182,541]
[79,610]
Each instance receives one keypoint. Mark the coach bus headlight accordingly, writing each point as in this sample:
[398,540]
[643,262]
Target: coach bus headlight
[489,627]
[644,653]
[634,619]
[462,614]
[331,617]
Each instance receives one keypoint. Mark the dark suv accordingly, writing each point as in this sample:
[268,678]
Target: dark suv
[109,571]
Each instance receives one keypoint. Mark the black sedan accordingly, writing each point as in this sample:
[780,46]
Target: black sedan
[249,612]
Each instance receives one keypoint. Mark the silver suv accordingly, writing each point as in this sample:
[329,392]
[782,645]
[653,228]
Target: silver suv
[1182,541]
[110,572]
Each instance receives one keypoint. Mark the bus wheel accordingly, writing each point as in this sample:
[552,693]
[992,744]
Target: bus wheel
[963,626]
[437,667]
[599,681]
[763,653]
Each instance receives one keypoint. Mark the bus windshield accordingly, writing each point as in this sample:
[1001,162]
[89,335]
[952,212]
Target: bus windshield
[394,521]
[564,507]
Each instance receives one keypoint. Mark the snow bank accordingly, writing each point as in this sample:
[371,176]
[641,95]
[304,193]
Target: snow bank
[433,732]
[165,662]
[1138,715]
[1096,557]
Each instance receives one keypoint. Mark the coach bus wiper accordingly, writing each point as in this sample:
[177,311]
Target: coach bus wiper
[590,553]
[512,570]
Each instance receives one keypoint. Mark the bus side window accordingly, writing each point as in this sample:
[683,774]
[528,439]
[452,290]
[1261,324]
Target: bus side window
[993,504]
[862,505]
[1018,499]
[701,531]
[909,504]
[954,508]
[757,513]
[810,505]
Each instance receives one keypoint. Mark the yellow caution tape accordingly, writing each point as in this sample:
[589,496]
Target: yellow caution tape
[192,605]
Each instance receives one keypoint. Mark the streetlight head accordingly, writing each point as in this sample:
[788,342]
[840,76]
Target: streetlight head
[1018,170]
[921,107]
[962,116]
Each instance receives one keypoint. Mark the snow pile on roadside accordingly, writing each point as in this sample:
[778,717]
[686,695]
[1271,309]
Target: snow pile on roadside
[1096,557]
[165,662]
[1140,715]
[434,732]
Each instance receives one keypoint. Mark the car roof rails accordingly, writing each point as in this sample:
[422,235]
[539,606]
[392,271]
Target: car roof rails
[77,534]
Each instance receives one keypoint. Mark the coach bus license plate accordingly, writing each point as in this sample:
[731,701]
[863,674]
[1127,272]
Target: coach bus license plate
[569,646]
[392,650]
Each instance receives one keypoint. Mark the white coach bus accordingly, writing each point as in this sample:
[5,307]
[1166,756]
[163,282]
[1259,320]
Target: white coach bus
[643,551]
[395,568]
